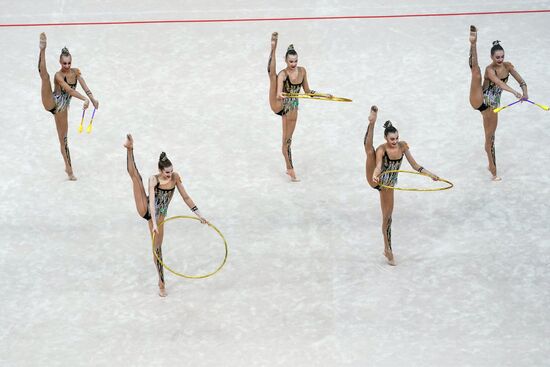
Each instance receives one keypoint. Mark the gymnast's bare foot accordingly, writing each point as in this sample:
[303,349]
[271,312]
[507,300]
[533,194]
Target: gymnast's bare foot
[43,41]
[373,114]
[292,175]
[69,172]
[494,174]
[129,143]
[473,34]
[162,290]
[274,37]
[389,257]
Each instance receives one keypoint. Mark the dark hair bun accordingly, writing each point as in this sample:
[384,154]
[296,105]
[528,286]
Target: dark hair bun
[65,51]
[389,128]
[164,162]
[496,43]
[290,47]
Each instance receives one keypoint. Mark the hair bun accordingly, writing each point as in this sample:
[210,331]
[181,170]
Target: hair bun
[497,42]
[164,162]
[387,124]
[290,47]
[65,51]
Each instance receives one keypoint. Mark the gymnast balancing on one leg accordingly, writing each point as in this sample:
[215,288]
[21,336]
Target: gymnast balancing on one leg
[388,156]
[486,97]
[154,207]
[290,80]
[57,102]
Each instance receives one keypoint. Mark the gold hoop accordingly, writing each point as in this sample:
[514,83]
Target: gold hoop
[415,189]
[317,96]
[184,275]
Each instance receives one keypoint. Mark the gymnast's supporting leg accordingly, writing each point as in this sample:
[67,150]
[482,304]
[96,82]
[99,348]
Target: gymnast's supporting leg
[140,196]
[490,122]
[289,124]
[386,202]
[62,126]
[158,252]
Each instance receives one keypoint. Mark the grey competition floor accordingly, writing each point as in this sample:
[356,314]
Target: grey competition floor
[305,283]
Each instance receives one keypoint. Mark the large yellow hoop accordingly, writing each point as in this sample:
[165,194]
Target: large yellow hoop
[184,275]
[317,96]
[415,189]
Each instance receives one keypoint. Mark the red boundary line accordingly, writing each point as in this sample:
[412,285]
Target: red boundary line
[276,19]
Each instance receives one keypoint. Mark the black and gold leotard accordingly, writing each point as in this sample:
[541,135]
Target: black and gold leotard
[390,179]
[492,93]
[290,104]
[162,200]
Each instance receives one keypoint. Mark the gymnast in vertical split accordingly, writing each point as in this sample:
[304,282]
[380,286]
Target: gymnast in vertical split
[386,157]
[154,207]
[485,96]
[57,101]
[290,80]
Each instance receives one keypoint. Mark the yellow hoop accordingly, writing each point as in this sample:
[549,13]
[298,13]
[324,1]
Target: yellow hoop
[317,96]
[415,189]
[191,276]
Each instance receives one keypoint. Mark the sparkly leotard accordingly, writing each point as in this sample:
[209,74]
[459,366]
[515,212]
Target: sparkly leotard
[162,200]
[290,104]
[62,98]
[492,93]
[390,179]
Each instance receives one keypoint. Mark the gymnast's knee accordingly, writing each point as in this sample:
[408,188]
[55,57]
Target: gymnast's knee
[386,217]
[44,75]
[373,184]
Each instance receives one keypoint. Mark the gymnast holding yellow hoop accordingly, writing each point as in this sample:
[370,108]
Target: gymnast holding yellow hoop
[290,80]
[387,157]
[161,190]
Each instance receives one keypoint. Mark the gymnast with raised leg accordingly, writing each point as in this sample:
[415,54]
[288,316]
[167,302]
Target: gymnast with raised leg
[161,190]
[386,157]
[290,80]
[485,96]
[57,101]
